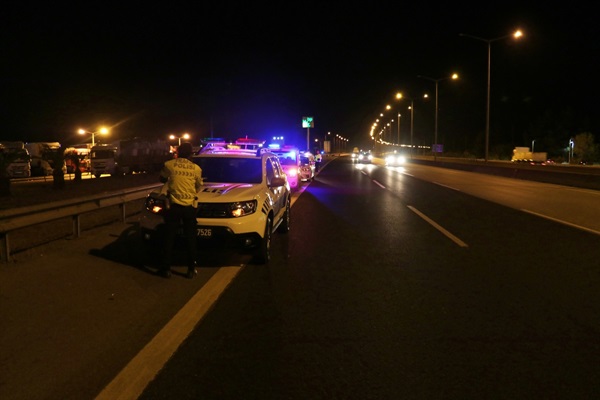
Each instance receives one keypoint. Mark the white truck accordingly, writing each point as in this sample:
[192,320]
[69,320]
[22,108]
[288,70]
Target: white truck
[523,154]
[41,161]
[129,156]
[20,167]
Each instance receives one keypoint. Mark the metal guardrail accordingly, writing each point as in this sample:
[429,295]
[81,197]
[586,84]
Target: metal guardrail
[22,217]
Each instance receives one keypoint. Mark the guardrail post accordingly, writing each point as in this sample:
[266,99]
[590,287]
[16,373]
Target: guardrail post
[123,212]
[5,251]
[76,226]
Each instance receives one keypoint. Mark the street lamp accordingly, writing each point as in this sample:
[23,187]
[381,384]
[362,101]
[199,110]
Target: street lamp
[400,96]
[185,136]
[571,145]
[102,131]
[399,115]
[437,81]
[517,34]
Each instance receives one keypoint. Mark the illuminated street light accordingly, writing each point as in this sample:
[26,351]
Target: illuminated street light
[102,131]
[517,34]
[185,136]
[437,81]
[399,115]
[400,96]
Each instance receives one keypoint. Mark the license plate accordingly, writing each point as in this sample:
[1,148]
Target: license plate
[204,232]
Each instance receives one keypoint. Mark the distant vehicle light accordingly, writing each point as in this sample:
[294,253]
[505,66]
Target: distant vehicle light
[395,160]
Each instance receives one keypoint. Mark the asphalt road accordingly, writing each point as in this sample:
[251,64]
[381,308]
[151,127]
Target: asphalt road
[393,283]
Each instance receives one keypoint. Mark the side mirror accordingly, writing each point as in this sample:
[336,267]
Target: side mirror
[277,182]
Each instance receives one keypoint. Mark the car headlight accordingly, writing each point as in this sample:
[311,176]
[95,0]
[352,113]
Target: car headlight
[156,205]
[370,156]
[242,208]
[400,160]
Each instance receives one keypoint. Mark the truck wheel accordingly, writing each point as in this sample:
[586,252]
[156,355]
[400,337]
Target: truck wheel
[263,253]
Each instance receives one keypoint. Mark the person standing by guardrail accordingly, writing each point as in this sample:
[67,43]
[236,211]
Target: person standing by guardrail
[182,179]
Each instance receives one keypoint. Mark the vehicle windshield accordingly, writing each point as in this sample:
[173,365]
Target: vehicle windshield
[288,158]
[230,169]
[103,154]
[304,160]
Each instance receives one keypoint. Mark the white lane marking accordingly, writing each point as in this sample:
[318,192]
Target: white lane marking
[560,221]
[133,379]
[438,227]
[378,184]
[447,187]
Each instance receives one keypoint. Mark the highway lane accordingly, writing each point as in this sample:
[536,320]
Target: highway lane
[366,298]
[571,205]
[371,297]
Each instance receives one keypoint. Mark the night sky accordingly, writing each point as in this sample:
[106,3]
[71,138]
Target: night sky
[232,69]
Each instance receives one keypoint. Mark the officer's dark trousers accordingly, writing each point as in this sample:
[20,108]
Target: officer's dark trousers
[175,217]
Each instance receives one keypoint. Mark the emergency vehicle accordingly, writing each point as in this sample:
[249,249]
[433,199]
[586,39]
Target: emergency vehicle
[245,197]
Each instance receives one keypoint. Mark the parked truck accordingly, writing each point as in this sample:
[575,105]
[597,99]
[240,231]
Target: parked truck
[20,166]
[42,161]
[523,154]
[82,152]
[129,156]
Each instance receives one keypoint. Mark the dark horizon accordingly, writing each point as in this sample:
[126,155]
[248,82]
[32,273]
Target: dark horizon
[257,72]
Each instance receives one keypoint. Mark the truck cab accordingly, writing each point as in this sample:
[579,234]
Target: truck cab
[103,159]
[20,165]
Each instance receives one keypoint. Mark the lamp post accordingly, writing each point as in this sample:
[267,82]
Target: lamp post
[437,81]
[399,129]
[389,124]
[185,136]
[571,145]
[517,34]
[102,131]
[400,96]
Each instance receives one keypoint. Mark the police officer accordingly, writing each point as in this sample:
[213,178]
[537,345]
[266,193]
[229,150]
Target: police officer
[318,159]
[182,179]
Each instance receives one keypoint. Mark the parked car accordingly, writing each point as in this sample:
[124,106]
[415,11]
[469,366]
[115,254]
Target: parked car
[307,167]
[289,157]
[245,198]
